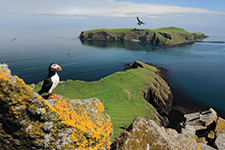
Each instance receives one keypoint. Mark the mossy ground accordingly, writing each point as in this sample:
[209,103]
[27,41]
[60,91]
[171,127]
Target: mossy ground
[109,30]
[171,30]
[121,94]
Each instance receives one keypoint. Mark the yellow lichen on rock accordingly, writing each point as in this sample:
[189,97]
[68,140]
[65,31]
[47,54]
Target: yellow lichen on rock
[30,121]
[87,134]
[220,126]
[198,147]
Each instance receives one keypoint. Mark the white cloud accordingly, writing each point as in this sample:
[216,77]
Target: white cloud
[109,8]
[102,12]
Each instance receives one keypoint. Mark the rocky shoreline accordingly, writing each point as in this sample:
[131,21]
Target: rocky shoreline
[180,102]
[189,118]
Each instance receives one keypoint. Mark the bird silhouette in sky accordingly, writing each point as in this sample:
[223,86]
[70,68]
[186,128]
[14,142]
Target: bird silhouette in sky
[140,22]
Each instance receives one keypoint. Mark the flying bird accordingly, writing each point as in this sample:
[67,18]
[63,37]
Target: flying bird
[140,22]
[51,81]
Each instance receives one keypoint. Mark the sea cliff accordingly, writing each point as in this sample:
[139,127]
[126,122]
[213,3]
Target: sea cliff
[163,36]
[124,103]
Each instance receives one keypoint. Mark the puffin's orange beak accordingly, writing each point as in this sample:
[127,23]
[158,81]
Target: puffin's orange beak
[59,68]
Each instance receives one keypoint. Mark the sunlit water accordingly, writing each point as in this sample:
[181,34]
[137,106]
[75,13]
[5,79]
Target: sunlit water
[197,70]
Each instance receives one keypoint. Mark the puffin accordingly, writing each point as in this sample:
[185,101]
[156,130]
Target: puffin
[140,22]
[51,81]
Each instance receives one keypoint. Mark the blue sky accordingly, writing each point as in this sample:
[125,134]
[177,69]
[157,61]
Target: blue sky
[217,5]
[112,13]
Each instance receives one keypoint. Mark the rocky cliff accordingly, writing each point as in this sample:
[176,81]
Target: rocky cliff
[158,94]
[146,134]
[163,36]
[208,128]
[27,121]
[207,134]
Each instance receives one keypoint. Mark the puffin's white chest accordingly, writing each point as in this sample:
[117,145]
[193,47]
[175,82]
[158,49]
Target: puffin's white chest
[55,80]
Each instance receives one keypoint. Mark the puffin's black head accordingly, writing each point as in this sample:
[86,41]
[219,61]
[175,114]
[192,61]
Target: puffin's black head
[54,67]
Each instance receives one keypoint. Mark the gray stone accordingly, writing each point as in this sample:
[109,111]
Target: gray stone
[220,126]
[48,126]
[202,140]
[205,147]
[172,132]
[201,121]
[151,136]
[5,67]
[220,141]
[188,131]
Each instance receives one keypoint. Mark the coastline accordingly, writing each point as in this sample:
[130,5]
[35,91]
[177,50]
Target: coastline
[186,104]
[183,103]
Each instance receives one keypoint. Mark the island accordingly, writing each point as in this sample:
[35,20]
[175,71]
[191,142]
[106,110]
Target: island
[169,36]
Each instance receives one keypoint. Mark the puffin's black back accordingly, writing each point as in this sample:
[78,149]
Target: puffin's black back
[47,82]
[46,86]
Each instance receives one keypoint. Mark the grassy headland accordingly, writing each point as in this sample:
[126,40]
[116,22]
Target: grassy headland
[121,94]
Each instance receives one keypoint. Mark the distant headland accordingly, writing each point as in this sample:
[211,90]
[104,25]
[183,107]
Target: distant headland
[169,36]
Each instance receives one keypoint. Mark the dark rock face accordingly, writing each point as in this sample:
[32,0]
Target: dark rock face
[96,36]
[166,35]
[146,38]
[159,95]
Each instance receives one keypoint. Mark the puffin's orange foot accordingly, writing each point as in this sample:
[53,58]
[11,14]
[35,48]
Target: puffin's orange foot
[53,96]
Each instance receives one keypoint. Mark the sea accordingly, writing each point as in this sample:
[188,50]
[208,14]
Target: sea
[196,70]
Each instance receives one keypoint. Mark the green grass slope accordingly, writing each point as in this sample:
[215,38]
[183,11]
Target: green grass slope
[109,30]
[121,94]
[120,32]
[177,34]
[171,30]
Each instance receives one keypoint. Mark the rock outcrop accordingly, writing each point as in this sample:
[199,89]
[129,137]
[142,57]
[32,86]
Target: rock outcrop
[27,121]
[220,142]
[198,35]
[146,134]
[5,67]
[207,127]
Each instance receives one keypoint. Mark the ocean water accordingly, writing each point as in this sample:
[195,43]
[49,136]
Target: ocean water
[197,69]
